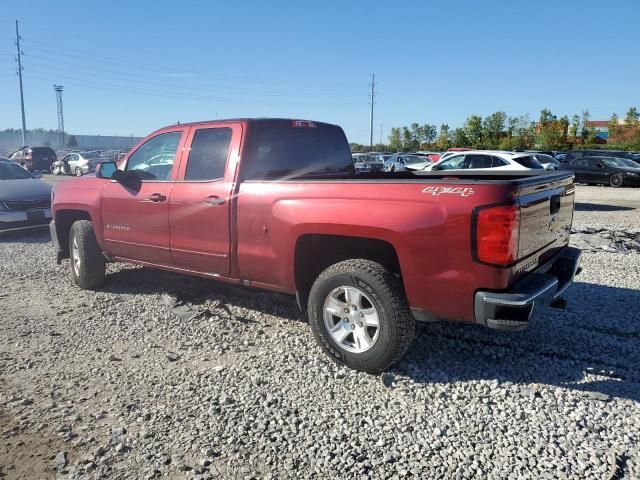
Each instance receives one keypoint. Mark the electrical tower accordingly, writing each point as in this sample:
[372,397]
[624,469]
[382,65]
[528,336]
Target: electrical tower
[58,90]
[371,102]
[19,60]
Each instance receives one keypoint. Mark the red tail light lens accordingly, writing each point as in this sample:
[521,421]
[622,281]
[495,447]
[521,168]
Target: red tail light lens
[497,232]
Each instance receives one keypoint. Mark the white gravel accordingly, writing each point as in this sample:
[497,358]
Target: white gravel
[114,385]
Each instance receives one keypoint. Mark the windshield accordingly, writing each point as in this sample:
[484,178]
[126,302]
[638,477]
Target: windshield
[12,171]
[414,159]
[613,162]
[630,163]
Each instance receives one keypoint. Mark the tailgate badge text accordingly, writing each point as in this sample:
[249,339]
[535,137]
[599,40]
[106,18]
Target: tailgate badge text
[462,191]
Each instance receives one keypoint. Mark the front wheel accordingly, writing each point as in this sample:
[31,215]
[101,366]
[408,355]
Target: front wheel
[359,315]
[88,265]
[616,180]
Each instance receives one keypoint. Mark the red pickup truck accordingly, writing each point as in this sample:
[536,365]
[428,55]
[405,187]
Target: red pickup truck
[276,204]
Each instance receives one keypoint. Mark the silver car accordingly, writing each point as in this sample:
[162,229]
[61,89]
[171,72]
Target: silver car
[77,163]
[402,163]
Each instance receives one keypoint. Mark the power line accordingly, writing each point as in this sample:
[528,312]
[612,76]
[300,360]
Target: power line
[24,123]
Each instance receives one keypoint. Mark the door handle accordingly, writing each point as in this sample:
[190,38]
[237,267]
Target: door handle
[214,200]
[157,197]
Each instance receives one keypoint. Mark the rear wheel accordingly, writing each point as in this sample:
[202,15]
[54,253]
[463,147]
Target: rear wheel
[359,315]
[616,180]
[78,172]
[88,265]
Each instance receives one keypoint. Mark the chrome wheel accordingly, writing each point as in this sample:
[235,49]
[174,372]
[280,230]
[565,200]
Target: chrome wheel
[78,172]
[351,319]
[75,256]
[616,180]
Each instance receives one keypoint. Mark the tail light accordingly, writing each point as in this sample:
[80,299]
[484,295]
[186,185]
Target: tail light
[497,230]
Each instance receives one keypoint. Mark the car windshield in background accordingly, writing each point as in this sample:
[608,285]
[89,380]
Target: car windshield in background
[414,159]
[630,163]
[11,171]
[528,161]
[613,162]
[542,158]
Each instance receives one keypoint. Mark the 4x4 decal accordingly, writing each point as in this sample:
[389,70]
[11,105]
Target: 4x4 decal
[462,191]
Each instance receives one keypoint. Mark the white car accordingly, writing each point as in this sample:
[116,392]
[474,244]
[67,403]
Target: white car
[399,162]
[487,160]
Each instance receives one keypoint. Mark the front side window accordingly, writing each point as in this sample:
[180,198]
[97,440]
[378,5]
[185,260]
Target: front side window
[154,159]
[208,155]
[452,163]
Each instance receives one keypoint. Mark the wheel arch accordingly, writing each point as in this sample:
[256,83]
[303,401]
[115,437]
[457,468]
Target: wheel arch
[64,220]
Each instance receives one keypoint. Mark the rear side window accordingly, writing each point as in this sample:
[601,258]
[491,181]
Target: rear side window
[276,150]
[529,162]
[594,162]
[498,162]
[479,161]
[208,155]
[579,163]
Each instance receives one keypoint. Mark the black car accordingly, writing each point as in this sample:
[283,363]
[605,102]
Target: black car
[34,158]
[25,201]
[603,170]
[574,154]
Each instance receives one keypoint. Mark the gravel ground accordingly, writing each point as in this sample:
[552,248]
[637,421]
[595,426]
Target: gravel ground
[114,384]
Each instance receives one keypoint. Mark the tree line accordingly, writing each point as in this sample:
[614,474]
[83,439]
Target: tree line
[501,132]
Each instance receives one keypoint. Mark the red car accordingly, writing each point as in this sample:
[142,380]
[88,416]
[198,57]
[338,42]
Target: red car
[276,204]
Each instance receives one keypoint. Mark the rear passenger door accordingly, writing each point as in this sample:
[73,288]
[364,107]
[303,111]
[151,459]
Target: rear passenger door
[200,203]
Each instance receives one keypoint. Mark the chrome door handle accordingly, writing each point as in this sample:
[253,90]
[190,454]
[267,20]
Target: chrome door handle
[157,197]
[214,200]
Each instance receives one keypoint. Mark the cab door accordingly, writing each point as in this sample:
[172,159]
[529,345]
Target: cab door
[200,202]
[135,213]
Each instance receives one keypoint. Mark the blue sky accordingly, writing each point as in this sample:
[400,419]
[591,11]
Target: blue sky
[131,67]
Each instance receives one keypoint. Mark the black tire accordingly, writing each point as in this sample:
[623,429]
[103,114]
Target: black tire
[89,274]
[397,325]
[616,180]
[78,172]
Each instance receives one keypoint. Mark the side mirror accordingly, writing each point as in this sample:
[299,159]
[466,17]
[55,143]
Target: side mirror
[436,167]
[600,165]
[106,169]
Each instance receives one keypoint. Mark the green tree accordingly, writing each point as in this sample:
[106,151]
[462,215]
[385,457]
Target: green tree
[443,142]
[633,117]
[493,129]
[614,124]
[585,129]
[459,138]
[395,140]
[574,127]
[430,133]
[473,130]
[408,142]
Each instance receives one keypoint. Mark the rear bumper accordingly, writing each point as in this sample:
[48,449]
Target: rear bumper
[512,310]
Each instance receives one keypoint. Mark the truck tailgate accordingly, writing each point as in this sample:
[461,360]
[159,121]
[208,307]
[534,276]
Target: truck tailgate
[546,214]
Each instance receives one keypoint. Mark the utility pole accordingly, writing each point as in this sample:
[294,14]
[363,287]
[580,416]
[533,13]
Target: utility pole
[24,124]
[380,134]
[58,90]
[371,102]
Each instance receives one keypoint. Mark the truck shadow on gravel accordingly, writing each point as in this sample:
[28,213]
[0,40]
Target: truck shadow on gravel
[592,347]
[39,235]
[596,207]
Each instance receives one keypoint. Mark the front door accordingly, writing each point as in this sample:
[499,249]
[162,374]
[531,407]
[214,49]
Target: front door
[199,206]
[135,214]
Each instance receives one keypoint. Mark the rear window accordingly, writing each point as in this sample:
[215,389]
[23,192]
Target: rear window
[276,150]
[529,162]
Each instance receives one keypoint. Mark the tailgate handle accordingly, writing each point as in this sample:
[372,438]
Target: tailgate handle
[554,204]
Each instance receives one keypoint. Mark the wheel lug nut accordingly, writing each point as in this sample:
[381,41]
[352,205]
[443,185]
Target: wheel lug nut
[346,310]
[361,315]
[360,324]
[353,327]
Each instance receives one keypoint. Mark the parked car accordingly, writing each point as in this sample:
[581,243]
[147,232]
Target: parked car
[487,160]
[276,204]
[630,163]
[547,161]
[400,162]
[360,165]
[25,200]
[574,154]
[78,163]
[34,158]
[603,170]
